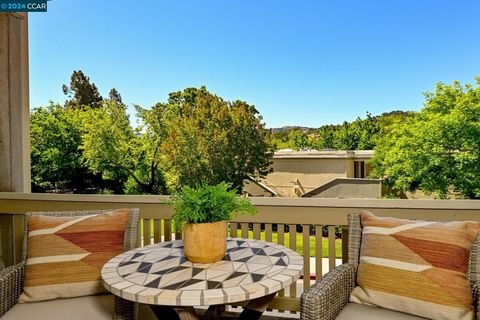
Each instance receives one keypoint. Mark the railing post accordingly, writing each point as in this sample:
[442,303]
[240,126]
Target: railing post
[344,244]
[318,252]
[6,240]
[19,234]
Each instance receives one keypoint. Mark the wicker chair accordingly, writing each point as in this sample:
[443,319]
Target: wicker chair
[11,282]
[329,298]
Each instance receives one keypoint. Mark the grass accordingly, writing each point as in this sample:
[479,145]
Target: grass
[299,241]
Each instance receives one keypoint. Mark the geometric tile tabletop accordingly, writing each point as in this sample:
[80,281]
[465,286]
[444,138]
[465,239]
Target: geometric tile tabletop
[160,274]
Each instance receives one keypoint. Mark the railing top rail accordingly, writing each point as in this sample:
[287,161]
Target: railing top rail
[258,201]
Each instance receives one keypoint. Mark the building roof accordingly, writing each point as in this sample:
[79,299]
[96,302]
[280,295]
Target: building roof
[323,154]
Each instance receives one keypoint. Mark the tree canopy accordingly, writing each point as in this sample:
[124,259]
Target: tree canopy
[114,95]
[55,153]
[206,139]
[361,134]
[196,137]
[113,148]
[81,92]
[437,150]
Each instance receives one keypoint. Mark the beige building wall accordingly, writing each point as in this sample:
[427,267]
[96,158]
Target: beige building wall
[349,165]
[292,177]
[298,172]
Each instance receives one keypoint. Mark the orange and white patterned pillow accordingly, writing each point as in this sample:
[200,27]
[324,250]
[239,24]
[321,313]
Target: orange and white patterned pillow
[66,254]
[417,267]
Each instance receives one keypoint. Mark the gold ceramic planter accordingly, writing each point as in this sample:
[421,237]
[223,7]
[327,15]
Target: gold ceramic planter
[205,242]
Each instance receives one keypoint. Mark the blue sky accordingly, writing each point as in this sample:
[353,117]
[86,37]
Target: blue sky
[302,63]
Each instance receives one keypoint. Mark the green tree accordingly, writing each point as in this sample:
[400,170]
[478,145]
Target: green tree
[280,138]
[81,92]
[114,95]
[299,139]
[347,136]
[388,118]
[293,137]
[325,137]
[360,134]
[55,155]
[438,149]
[208,140]
[368,129]
[117,151]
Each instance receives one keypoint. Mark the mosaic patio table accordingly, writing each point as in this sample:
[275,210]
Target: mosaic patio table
[159,274]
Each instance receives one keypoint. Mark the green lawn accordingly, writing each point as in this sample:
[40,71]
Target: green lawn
[338,242]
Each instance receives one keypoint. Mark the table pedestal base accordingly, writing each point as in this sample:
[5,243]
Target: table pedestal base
[253,311]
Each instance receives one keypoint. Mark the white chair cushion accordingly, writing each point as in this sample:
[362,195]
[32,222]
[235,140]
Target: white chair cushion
[98,307]
[355,311]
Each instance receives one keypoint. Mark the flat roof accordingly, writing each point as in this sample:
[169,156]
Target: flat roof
[323,154]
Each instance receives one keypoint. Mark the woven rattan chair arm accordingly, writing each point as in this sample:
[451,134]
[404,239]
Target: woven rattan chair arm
[11,284]
[125,310]
[326,299]
[476,299]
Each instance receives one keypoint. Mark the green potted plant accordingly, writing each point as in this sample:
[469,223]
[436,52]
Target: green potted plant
[203,213]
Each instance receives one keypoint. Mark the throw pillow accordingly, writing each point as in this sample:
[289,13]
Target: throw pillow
[66,254]
[416,267]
